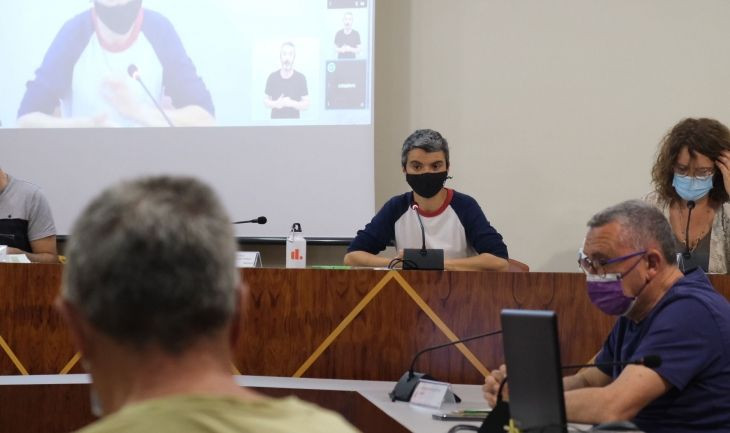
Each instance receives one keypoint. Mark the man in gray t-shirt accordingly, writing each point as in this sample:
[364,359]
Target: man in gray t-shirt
[26,223]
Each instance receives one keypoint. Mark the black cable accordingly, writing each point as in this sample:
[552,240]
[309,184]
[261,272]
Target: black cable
[463,427]
[393,263]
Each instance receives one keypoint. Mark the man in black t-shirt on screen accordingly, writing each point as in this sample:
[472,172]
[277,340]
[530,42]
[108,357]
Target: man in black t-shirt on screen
[347,40]
[286,89]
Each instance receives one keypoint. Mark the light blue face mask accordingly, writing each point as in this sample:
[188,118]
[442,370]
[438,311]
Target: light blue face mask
[692,188]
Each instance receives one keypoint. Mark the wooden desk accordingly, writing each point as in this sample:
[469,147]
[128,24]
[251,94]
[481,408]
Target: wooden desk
[356,324]
[65,407]
[60,403]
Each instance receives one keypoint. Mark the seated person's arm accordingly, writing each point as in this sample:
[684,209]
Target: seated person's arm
[364,258]
[297,105]
[273,103]
[622,399]
[481,262]
[486,241]
[38,119]
[192,115]
[42,250]
[119,95]
[586,378]
[374,238]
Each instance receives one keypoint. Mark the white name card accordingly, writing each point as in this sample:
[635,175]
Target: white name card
[430,393]
[248,259]
[14,258]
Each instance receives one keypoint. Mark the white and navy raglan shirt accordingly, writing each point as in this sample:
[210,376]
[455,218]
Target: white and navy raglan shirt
[459,227]
[78,64]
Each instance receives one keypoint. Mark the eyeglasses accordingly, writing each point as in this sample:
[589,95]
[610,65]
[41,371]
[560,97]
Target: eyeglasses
[684,170]
[597,267]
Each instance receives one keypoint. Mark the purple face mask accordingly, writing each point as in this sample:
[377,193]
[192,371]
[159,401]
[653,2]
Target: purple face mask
[607,293]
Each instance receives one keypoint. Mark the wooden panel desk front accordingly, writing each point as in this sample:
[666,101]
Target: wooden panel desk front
[342,324]
[66,407]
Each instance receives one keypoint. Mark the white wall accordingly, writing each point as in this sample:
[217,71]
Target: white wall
[553,109]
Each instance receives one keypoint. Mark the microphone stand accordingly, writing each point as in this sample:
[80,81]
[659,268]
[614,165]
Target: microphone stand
[687,253]
[134,73]
[259,220]
[414,258]
[403,390]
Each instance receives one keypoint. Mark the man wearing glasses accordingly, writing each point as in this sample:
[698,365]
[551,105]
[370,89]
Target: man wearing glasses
[631,272]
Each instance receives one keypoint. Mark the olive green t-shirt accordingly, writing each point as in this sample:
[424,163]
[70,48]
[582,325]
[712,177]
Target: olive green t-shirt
[211,414]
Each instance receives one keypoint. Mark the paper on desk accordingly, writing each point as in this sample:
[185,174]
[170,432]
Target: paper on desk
[14,258]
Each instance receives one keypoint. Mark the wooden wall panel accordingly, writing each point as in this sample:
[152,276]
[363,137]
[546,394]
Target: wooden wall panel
[290,313]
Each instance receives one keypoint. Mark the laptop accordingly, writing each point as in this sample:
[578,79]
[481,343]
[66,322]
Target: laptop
[532,355]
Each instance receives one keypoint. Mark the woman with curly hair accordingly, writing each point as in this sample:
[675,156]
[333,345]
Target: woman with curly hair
[691,177]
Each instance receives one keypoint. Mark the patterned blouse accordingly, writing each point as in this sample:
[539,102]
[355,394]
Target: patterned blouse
[719,238]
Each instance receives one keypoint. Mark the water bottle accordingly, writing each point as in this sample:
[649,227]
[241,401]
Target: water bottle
[296,248]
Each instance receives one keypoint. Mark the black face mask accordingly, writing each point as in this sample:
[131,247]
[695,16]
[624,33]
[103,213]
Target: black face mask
[119,18]
[427,185]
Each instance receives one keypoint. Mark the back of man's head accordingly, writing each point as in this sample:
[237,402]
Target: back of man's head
[151,264]
[642,226]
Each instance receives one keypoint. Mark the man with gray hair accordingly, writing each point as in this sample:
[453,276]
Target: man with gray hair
[452,221]
[152,298]
[629,260]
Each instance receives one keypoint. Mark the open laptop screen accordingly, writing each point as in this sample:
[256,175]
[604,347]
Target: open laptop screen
[532,356]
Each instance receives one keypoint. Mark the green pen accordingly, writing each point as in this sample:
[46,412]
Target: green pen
[472,411]
[330,267]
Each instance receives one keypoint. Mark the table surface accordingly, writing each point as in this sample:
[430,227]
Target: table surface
[414,418]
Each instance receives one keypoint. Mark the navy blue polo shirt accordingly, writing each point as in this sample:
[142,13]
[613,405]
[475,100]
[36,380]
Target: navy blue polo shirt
[689,329]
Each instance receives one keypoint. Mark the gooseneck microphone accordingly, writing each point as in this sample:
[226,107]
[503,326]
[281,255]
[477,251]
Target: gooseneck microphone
[450,343]
[414,258]
[259,220]
[133,72]
[651,361]
[423,230]
[687,254]
[403,390]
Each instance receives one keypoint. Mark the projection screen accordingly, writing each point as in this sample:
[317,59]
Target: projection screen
[269,101]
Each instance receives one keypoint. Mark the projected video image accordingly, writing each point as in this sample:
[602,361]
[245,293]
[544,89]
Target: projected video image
[347,3]
[137,63]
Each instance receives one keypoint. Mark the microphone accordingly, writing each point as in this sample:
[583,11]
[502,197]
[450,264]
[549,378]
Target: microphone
[259,220]
[423,230]
[690,206]
[403,390]
[651,361]
[133,72]
[414,258]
